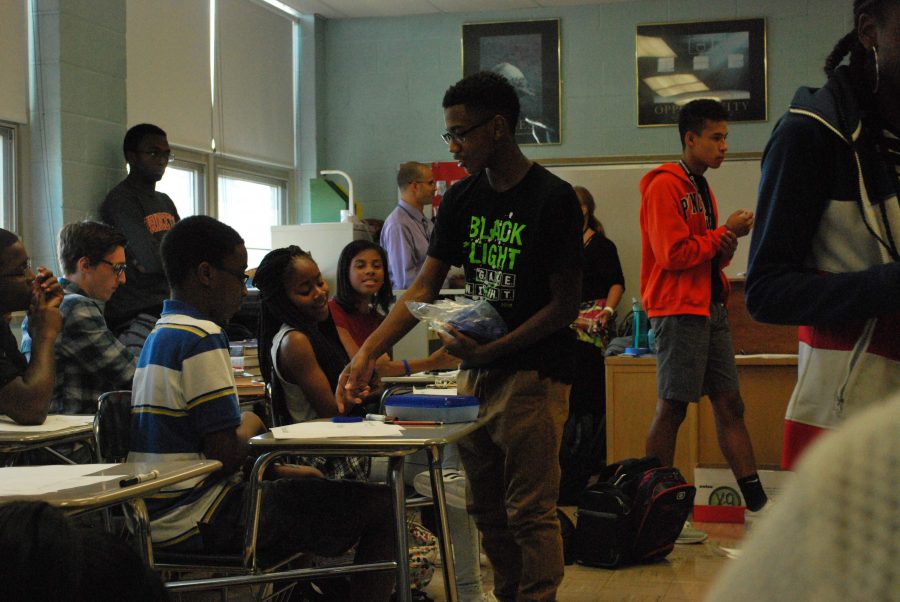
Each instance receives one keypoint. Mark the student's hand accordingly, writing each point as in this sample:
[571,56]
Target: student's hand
[355,380]
[464,347]
[727,246]
[740,222]
[442,360]
[43,312]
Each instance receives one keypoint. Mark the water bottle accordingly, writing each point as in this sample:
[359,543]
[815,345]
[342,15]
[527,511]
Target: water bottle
[640,342]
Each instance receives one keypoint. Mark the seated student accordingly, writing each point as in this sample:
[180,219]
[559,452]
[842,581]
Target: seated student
[185,406]
[45,557]
[361,303]
[90,360]
[26,387]
[300,352]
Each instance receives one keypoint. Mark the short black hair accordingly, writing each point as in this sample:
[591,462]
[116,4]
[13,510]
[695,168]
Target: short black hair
[7,239]
[94,240]
[194,240]
[695,114]
[486,92]
[136,134]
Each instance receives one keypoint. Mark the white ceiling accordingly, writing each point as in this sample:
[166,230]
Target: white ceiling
[351,9]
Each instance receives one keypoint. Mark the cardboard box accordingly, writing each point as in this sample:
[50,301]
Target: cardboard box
[719,499]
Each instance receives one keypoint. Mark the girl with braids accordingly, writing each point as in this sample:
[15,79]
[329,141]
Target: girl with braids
[301,355]
[824,253]
[362,300]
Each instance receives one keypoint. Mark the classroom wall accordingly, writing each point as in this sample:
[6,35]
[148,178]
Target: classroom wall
[384,79]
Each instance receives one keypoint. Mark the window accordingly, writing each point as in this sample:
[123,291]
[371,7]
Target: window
[7,178]
[185,183]
[251,204]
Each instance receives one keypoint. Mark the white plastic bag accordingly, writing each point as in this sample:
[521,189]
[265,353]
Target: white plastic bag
[476,319]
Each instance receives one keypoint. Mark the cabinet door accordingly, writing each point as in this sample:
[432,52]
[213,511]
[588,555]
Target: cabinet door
[630,407]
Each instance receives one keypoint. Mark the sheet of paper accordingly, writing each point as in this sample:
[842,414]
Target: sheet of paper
[328,430]
[433,391]
[35,480]
[54,422]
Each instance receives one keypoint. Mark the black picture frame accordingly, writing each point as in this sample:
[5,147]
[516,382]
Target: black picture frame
[528,54]
[678,62]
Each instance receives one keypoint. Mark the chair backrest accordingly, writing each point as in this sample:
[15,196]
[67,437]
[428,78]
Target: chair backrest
[112,425]
[280,413]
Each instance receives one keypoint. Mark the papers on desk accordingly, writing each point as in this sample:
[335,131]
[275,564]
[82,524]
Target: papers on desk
[329,430]
[434,390]
[54,422]
[37,480]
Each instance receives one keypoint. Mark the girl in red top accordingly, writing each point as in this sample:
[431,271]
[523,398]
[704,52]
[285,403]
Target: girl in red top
[362,300]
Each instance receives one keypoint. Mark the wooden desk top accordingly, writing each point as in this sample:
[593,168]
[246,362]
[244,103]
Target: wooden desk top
[99,495]
[413,439]
[766,359]
[56,430]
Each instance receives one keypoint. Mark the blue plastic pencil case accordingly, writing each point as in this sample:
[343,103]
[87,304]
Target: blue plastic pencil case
[440,408]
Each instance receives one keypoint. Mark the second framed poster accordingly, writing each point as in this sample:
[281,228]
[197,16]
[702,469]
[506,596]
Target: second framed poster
[527,54]
[679,62]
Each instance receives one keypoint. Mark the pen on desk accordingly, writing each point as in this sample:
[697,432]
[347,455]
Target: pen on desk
[416,422]
[139,478]
[347,419]
[379,418]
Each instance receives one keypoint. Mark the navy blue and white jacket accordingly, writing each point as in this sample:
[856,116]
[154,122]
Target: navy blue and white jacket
[825,199]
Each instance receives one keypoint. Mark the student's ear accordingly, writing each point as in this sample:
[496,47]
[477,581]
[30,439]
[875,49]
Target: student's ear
[689,138]
[867,31]
[204,272]
[83,264]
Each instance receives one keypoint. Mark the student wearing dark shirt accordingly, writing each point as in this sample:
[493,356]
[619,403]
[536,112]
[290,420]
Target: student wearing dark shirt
[25,388]
[498,224]
[144,216]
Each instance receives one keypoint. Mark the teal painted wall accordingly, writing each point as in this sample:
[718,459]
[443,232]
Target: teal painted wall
[384,80]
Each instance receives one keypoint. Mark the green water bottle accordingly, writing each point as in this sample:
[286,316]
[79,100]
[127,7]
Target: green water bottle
[639,320]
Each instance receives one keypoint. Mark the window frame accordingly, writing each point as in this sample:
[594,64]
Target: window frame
[8,171]
[200,164]
[254,172]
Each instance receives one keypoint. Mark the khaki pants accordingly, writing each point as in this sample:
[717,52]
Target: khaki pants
[512,464]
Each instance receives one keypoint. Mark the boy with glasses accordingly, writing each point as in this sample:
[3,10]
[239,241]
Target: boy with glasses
[143,215]
[89,358]
[498,224]
[25,387]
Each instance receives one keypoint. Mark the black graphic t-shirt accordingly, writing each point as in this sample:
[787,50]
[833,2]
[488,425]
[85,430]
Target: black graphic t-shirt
[509,243]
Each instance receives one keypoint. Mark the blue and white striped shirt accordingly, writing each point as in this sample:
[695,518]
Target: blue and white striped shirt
[183,390]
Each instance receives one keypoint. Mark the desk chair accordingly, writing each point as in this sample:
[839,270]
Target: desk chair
[112,426]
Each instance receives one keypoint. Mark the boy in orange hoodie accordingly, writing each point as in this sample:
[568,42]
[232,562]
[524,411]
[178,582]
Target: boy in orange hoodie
[684,291]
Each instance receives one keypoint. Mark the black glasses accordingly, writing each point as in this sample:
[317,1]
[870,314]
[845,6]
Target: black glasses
[22,270]
[239,275]
[169,156]
[460,137]
[117,268]
[429,182]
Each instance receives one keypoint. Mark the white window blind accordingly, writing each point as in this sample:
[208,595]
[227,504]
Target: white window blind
[255,83]
[168,69]
[14,61]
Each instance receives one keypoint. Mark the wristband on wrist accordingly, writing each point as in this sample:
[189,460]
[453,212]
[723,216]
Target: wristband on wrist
[609,309]
[406,367]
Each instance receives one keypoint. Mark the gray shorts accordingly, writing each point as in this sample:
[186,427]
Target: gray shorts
[695,356]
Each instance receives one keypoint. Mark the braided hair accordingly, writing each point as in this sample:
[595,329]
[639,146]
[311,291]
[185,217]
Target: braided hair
[276,309]
[863,76]
[346,295]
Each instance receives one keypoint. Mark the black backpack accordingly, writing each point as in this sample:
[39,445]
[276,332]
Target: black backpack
[634,515]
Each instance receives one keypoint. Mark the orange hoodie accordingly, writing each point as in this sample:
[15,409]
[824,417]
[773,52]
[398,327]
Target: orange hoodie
[676,246]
